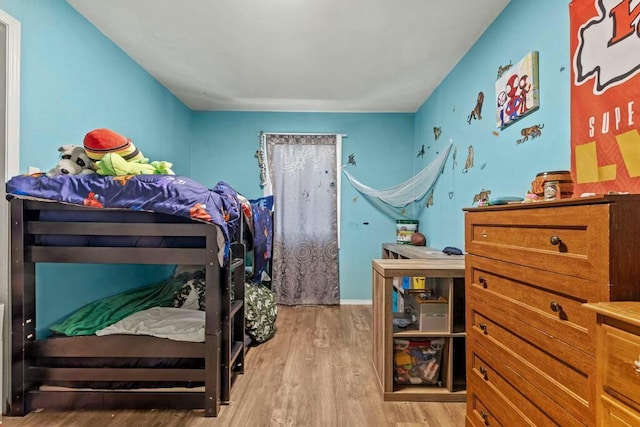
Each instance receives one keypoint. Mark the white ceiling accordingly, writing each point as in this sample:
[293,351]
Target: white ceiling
[295,55]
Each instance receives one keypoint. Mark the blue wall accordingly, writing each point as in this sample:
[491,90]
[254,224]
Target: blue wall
[74,79]
[501,165]
[224,145]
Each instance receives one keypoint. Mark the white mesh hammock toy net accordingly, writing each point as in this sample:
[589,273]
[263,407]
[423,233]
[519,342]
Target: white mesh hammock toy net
[409,191]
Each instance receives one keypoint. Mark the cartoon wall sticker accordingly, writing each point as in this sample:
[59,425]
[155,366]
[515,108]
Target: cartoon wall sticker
[496,133]
[532,131]
[450,194]
[455,158]
[503,69]
[430,200]
[352,159]
[437,131]
[482,198]
[469,163]
[476,113]
[421,152]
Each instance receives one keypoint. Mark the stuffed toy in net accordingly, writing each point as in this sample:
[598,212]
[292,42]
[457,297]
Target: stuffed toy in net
[73,161]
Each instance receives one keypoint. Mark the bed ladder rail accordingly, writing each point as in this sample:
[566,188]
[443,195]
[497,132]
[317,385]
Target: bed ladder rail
[233,327]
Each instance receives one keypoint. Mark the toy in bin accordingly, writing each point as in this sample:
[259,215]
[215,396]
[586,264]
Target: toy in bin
[417,361]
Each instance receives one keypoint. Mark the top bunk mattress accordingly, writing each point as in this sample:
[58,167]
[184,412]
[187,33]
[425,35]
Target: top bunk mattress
[165,194]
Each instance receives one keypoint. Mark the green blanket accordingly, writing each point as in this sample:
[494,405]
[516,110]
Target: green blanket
[102,313]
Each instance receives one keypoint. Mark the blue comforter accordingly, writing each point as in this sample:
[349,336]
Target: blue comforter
[167,194]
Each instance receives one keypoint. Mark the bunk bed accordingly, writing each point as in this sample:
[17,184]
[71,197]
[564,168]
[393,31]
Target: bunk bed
[93,219]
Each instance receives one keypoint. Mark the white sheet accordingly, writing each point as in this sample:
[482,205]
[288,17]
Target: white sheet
[176,324]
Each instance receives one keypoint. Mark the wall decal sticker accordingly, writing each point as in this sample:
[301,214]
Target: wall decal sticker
[476,113]
[469,163]
[455,158]
[532,131]
[503,69]
[482,198]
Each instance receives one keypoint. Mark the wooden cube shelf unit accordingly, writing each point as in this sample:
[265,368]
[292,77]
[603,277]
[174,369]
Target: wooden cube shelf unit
[446,274]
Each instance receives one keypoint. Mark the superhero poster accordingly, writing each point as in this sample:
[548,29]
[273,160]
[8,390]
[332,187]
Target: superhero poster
[605,85]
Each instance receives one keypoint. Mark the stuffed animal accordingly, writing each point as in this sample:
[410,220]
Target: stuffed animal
[99,142]
[115,155]
[113,164]
[73,161]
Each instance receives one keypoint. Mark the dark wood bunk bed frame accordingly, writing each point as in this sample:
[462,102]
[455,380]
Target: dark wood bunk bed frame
[223,350]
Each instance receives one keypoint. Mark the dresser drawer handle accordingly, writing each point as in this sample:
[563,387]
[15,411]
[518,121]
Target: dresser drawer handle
[482,281]
[555,240]
[485,417]
[483,372]
[483,326]
[484,234]
[555,307]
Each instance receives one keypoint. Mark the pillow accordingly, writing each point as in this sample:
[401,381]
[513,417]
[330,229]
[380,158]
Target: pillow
[163,322]
[187,269]
[191,295]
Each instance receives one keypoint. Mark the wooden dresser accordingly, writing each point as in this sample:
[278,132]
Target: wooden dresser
[618,363]
[529,269]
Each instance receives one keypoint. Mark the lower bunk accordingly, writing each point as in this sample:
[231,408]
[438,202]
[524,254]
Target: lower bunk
[147,372]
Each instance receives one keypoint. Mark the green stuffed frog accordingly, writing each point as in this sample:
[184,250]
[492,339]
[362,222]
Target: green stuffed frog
[113,164]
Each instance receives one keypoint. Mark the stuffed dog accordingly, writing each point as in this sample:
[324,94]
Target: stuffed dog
[73,161]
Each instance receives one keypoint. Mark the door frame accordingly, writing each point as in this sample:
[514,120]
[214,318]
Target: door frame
[11,147]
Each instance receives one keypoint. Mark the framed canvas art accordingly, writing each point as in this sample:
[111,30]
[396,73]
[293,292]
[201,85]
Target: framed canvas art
[517,91]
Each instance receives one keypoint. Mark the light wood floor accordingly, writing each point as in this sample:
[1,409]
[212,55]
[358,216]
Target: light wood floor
[316,371]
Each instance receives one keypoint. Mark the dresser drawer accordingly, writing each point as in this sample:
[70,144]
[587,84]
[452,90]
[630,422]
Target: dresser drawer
[616,414]
[570,240]
[568,386]
[512,385]
[620,377]
[510,401]
[478,414]
[556,317]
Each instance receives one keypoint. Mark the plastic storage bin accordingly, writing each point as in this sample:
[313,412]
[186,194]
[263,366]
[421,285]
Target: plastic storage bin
[417,361]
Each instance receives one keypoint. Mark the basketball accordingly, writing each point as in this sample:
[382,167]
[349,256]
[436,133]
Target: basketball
[418,239]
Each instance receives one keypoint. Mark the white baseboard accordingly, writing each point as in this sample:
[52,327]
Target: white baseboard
[356,302]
